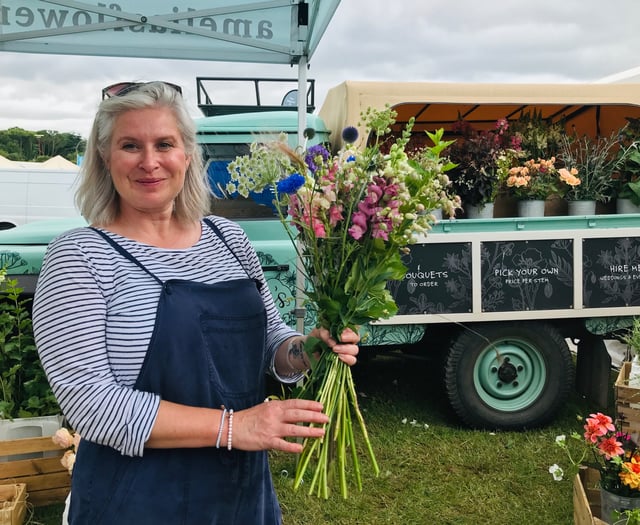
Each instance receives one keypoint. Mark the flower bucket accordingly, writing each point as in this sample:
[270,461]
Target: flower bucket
[531,208]
[624,206]
[483,211]
[610,502]
[437,213]
[581,207]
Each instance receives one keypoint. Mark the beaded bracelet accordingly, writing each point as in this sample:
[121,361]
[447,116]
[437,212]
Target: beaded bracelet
[230,433]
[224,414]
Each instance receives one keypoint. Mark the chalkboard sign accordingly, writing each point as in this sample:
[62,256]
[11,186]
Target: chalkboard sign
[611,272]
[526,275]
[438,280]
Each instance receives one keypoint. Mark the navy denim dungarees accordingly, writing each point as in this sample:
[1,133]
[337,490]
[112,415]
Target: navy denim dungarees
[207,350]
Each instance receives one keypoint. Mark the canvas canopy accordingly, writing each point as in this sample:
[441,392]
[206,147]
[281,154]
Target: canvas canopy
[592,109]
[269,31]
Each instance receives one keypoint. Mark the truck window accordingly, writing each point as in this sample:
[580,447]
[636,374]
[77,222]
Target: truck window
[234,206]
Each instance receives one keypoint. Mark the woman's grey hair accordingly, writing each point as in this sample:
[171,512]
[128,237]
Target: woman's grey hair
[96,197]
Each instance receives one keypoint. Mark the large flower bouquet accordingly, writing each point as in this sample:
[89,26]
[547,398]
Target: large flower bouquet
[604,447]
[350,216]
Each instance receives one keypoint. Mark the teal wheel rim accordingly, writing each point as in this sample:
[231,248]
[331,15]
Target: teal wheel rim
[510,375]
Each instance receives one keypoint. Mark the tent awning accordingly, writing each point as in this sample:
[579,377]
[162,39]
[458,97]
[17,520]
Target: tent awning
[593,109]
[270,31]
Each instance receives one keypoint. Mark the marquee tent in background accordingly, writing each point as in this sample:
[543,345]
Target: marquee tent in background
[271,31]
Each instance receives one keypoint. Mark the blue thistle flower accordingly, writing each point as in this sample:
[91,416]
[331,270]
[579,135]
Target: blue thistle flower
[291,184]
[349,134]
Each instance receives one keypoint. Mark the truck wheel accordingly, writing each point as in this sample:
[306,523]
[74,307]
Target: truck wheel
[508,376]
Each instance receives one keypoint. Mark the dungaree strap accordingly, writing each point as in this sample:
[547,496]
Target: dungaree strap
[131,258]
[217,231]
[125,253]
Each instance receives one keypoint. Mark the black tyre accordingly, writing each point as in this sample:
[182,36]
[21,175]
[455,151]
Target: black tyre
[508,376]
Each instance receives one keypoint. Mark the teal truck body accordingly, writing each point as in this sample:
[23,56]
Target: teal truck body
[495,299]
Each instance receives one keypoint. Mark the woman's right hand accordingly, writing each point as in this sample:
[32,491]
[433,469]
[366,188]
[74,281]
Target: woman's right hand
[265,426]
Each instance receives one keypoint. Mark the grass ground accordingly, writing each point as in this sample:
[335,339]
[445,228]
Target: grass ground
[433,471]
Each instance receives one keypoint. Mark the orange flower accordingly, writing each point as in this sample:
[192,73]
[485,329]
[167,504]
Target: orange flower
[569,177]
[630,474]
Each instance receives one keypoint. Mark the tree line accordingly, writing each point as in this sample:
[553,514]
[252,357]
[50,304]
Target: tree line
[37,146]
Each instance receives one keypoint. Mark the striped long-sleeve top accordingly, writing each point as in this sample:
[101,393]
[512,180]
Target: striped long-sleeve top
[94,313]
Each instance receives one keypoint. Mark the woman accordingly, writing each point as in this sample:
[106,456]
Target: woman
[155,327]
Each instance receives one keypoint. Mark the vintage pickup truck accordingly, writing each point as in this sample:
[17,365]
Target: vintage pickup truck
[496,298]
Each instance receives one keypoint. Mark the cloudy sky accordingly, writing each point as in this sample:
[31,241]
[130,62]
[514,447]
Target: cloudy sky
[426,40]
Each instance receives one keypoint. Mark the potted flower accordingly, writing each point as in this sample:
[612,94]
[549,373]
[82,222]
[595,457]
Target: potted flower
[539,138]
[627,181]
[632,339]
[24,389]
[594,162]
[478,156]
[531,183]
[613,454]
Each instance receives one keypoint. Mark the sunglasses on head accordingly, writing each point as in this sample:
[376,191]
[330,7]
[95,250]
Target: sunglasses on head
[122,88]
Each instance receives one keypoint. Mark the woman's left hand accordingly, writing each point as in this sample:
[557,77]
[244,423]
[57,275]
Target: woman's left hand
[347,348]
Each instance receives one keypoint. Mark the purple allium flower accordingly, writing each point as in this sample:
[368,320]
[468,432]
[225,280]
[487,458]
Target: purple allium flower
[312,153]
[291,184]
[349,134]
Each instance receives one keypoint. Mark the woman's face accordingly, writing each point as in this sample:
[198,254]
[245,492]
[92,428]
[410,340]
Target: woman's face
[147,160]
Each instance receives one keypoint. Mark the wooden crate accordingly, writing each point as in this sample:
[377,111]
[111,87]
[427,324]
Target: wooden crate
[46,480]
[13,504]
[627,402]
[586,498]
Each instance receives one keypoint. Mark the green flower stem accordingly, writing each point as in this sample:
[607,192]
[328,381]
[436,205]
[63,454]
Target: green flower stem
[338,395]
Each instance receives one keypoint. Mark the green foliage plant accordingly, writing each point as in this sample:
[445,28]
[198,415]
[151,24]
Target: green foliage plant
[24,389]
[539,138]
[632,337]
[627,181]
[479,157]
[596,161]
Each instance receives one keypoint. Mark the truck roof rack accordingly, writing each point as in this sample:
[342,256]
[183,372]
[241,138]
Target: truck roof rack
[285,89]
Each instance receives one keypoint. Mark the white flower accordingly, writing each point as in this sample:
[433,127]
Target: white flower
[556,471]
[561,439]
[404,421]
